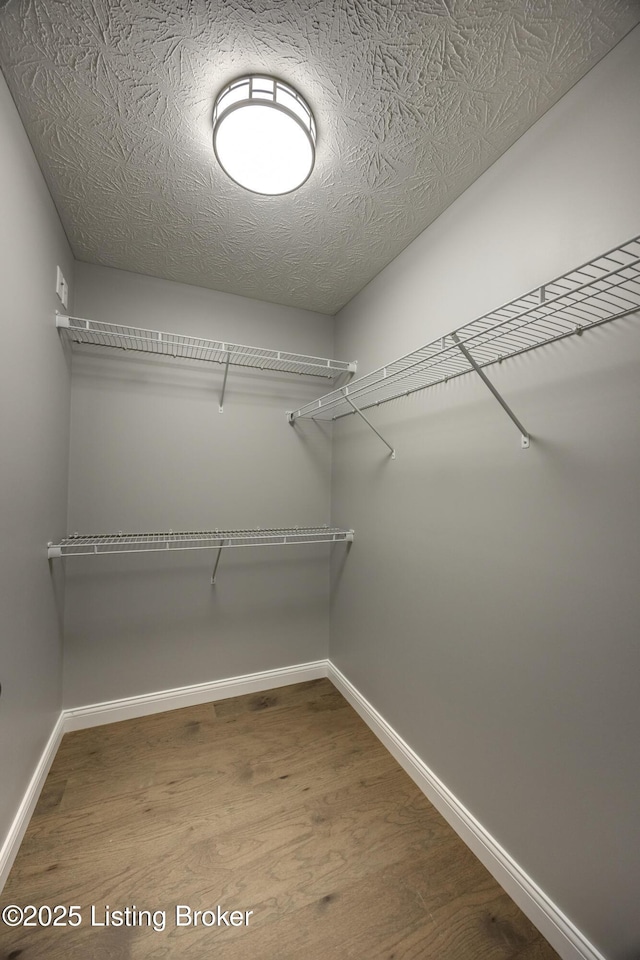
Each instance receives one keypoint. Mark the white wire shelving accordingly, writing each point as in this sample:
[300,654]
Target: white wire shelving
[169,541]
[120,337]
[601,290]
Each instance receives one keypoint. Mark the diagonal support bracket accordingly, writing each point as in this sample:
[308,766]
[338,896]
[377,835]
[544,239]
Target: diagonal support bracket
[215,566]
[369,424]
[224,386]
[525,438]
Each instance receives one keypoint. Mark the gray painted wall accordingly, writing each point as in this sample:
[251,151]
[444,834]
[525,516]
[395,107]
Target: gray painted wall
[149,451]
[34,428]
[490,608]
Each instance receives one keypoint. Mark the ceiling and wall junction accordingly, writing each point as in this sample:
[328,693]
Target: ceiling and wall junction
[413,101]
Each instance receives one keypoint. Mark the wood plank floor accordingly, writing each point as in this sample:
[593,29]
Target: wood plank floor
[284,804]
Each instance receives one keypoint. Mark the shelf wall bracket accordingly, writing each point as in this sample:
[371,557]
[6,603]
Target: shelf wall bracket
[54,552]
[224,387]
[369,424]
[525,439]
[215,566]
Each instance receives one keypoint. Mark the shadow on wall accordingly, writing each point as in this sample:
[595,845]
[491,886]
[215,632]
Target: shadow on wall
[58,581]
[340,554]
[309,441]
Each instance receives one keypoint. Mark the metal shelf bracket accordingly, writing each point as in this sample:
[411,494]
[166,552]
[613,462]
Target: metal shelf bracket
[525,439]
[369,424]
[215,566]
[224,387]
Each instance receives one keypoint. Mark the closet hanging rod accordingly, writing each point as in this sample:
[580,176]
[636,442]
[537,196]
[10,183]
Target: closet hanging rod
[603,289]
[138,339]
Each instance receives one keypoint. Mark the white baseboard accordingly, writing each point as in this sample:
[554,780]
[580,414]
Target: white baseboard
[96,714]
[21,820]
[561,933]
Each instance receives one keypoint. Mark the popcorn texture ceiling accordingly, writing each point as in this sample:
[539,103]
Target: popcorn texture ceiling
[413,99]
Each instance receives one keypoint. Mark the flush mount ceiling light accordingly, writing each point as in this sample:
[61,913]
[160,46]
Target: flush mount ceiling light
[264,135]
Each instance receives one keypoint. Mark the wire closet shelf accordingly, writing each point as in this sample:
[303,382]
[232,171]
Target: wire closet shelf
[95,545]
[118,336]
[603,289]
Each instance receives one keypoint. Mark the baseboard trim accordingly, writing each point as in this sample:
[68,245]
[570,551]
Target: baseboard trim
[21,820]
[552,923]
[96,714]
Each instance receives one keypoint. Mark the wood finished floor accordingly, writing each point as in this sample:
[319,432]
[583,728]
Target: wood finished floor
[283,803]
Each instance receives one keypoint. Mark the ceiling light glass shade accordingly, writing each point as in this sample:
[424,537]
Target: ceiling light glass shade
[264,135]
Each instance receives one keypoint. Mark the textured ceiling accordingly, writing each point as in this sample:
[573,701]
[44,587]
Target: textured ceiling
[413,100]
